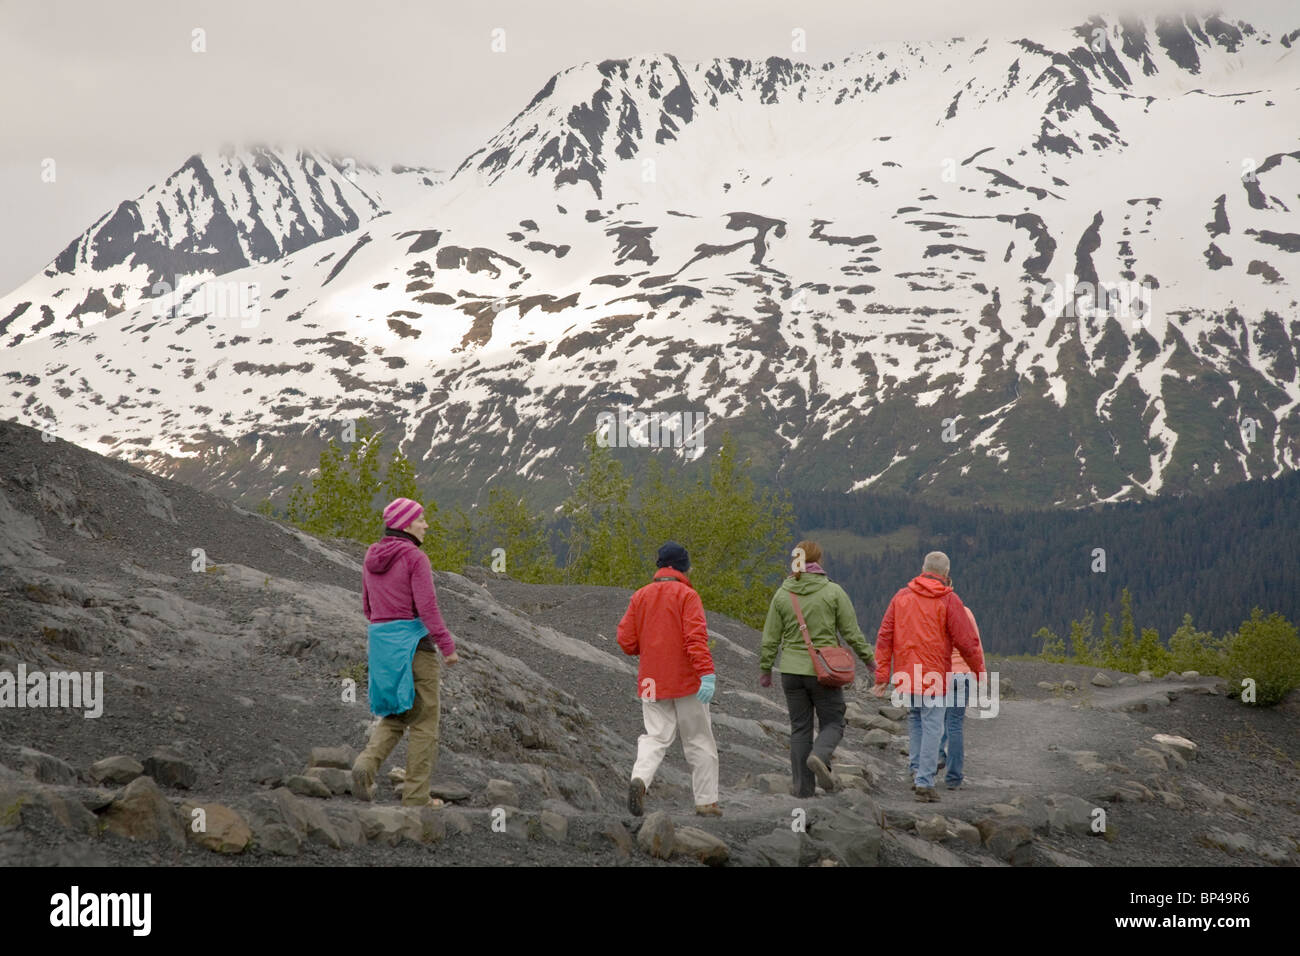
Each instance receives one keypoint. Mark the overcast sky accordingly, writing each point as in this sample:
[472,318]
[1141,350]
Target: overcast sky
[114,93]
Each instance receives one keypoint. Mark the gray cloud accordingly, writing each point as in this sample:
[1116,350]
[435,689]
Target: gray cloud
[115,95]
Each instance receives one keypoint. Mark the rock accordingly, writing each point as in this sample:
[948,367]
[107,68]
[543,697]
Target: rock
[117,770]
[1048,685]
[1006,687]
[893,713]
[268,772]
[1034,811]
[502,793]
[961,830]
[1273,854]
[1069,685]
[1145,677]
[1088,760]
[1172,675]
[451,792]
[855,716]
[338,781]
[382,824]
[554,827]
[1171,800]
[617,834]
[1190,675]
[170,769]
[877,722]
[1179,745]
[1131,791]
[852,836]
[1013,842]
[340,757]
[774,783]
[306,817]
[1101,680]
[218,828]
[656,836]
[1126,680]
[1153,759]
[1070,814]
[307,787]
[878,738]
[1154,702]
[278,839]
[933,828]
[41,767]
[783,847]
[1230,842]
[423,824]
[141,812]
[346,823]
[704,846]
[456,821]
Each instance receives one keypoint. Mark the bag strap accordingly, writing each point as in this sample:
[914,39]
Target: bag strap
[803,626]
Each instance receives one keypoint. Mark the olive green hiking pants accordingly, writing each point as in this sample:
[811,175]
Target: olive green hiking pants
[422,721]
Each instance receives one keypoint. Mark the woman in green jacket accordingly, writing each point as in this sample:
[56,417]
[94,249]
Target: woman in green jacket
[826,609]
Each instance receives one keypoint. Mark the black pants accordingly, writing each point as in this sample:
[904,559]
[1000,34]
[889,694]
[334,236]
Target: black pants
[803,695]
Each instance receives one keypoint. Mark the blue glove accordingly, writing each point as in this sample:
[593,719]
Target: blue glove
[707,683]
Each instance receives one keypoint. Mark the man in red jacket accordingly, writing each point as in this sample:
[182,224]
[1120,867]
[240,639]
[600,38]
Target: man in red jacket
[664,624]
[925,620]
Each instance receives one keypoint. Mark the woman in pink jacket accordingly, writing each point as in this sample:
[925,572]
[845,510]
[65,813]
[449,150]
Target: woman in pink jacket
[401,605]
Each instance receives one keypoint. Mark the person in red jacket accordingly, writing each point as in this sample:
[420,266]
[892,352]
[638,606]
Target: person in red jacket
[664,624]
[922,625]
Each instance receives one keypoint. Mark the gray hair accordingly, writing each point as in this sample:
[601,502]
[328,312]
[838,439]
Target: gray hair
[937,562]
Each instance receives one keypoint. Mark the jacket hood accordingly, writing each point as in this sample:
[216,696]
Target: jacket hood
[928,587]
[810,583]
[381,555]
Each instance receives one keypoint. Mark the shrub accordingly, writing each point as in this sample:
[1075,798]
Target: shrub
[1267,650]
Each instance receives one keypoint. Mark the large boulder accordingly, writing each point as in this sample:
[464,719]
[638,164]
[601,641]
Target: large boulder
[1172,743]
[117,770]
[216,827]
[782,847]
[703,846]
[1008,840]
[852,836]
[142,812]
[554,827]
[657,835]
[336,780]
[40,766]
[1070,814]
[303,786]
[501,793]
[170,769]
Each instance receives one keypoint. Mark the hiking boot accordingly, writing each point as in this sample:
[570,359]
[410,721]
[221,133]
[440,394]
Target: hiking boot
[708,810]
[363,783]
[821,771]
[926,795]
[636,797]
[949,785]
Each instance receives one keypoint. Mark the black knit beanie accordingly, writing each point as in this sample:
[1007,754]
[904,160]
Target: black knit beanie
[673,555]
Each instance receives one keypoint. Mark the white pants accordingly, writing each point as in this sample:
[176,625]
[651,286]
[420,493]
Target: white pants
[662,720]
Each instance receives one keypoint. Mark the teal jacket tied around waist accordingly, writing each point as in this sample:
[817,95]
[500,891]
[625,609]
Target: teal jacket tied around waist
[392,648]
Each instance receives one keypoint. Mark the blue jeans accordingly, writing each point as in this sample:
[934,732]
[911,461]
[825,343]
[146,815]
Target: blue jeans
[954,720]
[925,727]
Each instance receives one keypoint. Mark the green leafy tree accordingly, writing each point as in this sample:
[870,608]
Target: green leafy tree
[1266,650]
[601,537]
[1151,653]
[1193,650]
[1053,648]
[1082,642]
[507,523]
[341,500]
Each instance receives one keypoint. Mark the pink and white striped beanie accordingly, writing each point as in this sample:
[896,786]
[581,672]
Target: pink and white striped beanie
[401,512]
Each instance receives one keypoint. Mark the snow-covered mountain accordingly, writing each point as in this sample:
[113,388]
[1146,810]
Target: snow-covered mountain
[218,212]
[874,273]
